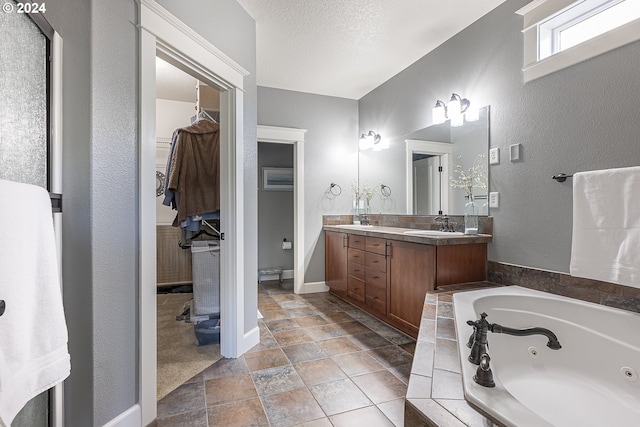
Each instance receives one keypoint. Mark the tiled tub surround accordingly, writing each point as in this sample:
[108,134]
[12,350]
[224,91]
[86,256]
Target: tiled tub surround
[609,294]
[485,223]
[435,396]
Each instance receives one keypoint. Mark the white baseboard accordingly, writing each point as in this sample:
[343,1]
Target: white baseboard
[132,417]
[313,287]
[286,274]
[251,339]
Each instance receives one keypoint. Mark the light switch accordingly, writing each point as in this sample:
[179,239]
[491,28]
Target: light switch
[494,156]
[514,152]
[494,199]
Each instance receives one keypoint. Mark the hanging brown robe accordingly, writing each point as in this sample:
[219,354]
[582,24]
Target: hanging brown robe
[195,170]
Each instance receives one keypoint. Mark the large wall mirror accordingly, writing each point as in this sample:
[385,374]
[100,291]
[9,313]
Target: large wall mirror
[416,168]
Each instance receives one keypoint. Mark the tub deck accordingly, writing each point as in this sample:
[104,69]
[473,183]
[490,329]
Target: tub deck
[435,395]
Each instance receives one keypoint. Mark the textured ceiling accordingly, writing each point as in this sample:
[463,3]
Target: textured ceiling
[346,48]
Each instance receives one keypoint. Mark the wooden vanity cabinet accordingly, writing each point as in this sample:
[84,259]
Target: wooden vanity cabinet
[389,278]
[412,273]
[335,264]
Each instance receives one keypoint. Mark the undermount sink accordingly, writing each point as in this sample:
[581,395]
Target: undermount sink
[356,226]
[433,233]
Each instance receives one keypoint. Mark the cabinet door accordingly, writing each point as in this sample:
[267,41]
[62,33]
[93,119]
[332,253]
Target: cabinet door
[411,272]
[336,261]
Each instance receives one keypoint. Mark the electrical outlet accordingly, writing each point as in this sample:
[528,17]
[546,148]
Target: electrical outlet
[494,156]
[494,199]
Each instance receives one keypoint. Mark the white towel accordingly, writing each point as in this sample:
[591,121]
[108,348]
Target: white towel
[33,332]
[606,226]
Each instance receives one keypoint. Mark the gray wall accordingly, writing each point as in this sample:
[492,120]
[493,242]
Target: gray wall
[330,155]
[577,119]
[275,209]
[100,249]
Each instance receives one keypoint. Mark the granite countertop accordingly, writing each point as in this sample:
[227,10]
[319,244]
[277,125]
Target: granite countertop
[399,233]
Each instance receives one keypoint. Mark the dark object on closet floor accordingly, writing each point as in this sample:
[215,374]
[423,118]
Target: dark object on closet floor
[207,332]
[176,289]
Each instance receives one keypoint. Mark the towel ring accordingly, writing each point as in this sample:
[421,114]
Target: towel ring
[385,190]
[338,191]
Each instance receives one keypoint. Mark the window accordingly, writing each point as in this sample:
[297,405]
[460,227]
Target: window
[560,33]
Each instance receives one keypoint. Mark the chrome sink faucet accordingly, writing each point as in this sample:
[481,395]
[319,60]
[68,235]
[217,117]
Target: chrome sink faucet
[364,220]
[445,225]
[443,221]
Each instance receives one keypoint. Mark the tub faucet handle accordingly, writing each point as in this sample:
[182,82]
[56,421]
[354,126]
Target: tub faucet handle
[483,375]
[479,338]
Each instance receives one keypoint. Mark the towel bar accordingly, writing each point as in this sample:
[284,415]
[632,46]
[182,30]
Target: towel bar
[561,177]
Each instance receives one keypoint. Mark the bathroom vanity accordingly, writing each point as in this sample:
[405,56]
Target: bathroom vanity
[387,271]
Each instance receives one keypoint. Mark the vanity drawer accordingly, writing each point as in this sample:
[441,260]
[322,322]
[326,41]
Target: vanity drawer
[355,288]
[356,256]
[375,278]
[356,270]
[356,242]
[375,261]
[377,299]
[376,245]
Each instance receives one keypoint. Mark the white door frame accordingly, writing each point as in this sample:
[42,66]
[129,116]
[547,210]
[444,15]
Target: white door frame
[442,149]
[282,135]
[164,35]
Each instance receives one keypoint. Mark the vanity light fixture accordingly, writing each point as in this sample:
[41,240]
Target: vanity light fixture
[372,140]
[458,109]
[439,113]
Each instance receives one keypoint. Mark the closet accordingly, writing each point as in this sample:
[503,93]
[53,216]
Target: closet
[180,99]
[187,224]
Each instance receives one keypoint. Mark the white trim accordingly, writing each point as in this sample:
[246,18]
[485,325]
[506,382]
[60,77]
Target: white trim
[250,339]
[603,43]
[313,287]
[283,135]
[147,255]
[164,35]
[442,149]
[129,418]
[541,10]
[57,394]
[165,27]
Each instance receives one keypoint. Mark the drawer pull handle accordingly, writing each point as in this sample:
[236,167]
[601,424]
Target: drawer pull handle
[376,277]
[376,262]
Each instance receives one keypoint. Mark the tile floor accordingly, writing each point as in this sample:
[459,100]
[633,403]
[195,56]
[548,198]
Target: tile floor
[320,362]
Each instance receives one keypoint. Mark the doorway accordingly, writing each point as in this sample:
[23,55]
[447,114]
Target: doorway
[163,35]
[275,212]
[182,100]
[435,155]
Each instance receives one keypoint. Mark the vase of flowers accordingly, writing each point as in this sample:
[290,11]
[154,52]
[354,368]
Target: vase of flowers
[362,198]
[467,180]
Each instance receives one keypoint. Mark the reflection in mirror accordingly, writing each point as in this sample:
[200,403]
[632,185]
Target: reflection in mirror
[420,188]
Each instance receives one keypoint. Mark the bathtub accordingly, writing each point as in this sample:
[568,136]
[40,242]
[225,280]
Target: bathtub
[591,381]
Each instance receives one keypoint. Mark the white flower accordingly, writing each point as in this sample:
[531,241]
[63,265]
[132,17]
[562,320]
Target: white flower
[475,177]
